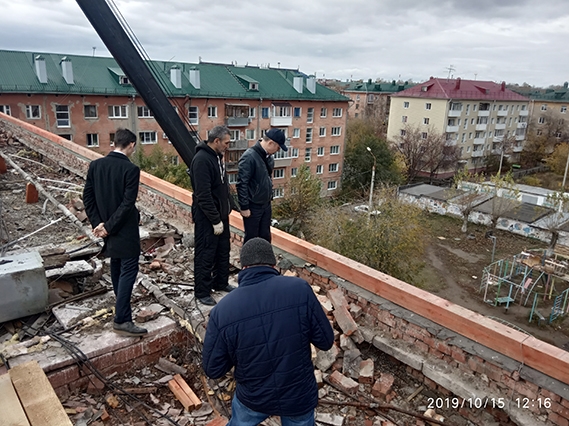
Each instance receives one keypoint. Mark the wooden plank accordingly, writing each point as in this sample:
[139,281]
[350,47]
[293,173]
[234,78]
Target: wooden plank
[37,396]
[12,412]
[181,395]
[188,391]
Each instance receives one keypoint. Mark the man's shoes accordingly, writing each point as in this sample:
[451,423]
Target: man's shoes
[228,288]
[208,300]
[129,329]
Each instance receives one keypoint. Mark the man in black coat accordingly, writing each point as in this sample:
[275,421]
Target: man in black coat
[255,184]
[264,329]
[211,204]
[109,196]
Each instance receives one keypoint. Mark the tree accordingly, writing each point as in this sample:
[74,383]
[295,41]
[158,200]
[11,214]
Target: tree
[160,164]
[504,196]
[302,197]
[554,221]
[467,197]
[558,159]
[549,128]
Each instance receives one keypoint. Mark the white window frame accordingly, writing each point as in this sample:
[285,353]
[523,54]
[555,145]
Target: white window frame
[309,132]
[90,107]
[563,109]
[296,133]
[541,120]
[212,111]
[426,120]
[319,169]
[322,132]
[5,109]
[144,112]
[294,153]
[252,112]
[332,185]
[118,111]
[335,150]
[33,112]
[428,105]
[320,151]
[234,135]
[308,155]
[250,134]
[323,112]
[293,171]
[337,112]
[310,115]
[279,173]
[92,140]
[193,114]
[406,104]
[544,107]
[333,167]
[278,192]
[148,138]
[281,111]
[424,135]
[336,131]
[404,119]
[62,116]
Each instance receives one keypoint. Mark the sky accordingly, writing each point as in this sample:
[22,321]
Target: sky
[517,41]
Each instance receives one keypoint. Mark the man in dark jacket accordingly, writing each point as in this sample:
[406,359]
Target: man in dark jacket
[255,184]
[210,212]
[264,329]
[109,196]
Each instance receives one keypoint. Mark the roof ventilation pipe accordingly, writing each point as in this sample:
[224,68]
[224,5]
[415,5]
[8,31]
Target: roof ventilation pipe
[41,71]
[67,70]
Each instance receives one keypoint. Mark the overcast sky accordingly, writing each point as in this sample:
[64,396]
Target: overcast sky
[513,40]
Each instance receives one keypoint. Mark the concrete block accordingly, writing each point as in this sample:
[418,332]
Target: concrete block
[351,365]
[341,313]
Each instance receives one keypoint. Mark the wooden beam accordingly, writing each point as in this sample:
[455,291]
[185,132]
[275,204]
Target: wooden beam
[180,395]
[188,391]
[12,412]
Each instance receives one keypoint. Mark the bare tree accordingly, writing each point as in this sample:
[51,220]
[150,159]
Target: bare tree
[467,197]
[505,196]
[554,221]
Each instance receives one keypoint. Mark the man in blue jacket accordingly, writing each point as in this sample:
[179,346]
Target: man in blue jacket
[264,329]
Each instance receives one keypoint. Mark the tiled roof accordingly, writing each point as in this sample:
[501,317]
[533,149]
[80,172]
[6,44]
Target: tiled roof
[437,88]
[99,75]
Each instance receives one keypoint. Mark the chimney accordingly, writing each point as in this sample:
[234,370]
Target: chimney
[67,70]
[457,85]
[41,71]
[503,86]
[298,83]
[176,76]
[311,84]
[195,78]
[566,85]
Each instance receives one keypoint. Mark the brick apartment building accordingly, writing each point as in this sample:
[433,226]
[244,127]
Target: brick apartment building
[86,98]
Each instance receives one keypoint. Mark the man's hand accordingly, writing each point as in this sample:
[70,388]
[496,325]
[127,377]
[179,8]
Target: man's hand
[218,228]
[100,231]
[246,213]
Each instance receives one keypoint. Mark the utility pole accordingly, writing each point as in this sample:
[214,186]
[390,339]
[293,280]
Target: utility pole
[370,204]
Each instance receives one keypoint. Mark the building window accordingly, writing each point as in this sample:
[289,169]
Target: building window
[293,172]
[234,135]
[62,116]
[112,139]
[144,112]
[307,155]
[90,111]
[333,167]
[322,132]
[118,111]
[334,149]
[147,137]
[426,120]
[332,185]
[319,169]
[250,134]
[296,133]
[297,112]
[278,192]
[402,132]
[424,135]
[323,112]
[33,111]
[5,109]
[252,112]
[294,153]
[544,107]
[337,112]
[310,115]
[405,104]
[92,140]
[67,136]
[320,151]
[428,105]
[278,173]
[309,135]
[193,114]
[336,131]
[212,111]
[563,109]
[281,111]
[404,119]
[541,120]
[264,112]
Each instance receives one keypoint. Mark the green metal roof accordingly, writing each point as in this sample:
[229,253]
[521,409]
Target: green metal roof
[546,95]
[373,87]
[98,75]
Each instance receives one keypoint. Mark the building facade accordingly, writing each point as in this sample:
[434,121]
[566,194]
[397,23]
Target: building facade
[86,99]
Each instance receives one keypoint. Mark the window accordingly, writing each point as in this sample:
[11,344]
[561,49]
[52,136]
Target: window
[544,107]
[319,169]
[336,131]
[118,111]
[402,132]
[307,155]
[424,135]
[293,172]
[278,192]
[322,132]
[320,151]
[294,153]
[250,134]
[62,116]
[404,119]
[112,139]
[323,112]
[426,120]
[147,137]
[211,111]
[310,115]
[334,149]
[524,107]
[193,114]
[281,111]
[296,133]
[92,140]
[297,112]
[90,111]
[252,112]
[33,111]
[144,112]
[428,105]
[5,109]
[333,167]
[265,112]
[405,104]
[337,112]
[541,120]
[278,173]
[309,135]
[67,136]
[463,137]
[234,135]
[332,185]
[563,109]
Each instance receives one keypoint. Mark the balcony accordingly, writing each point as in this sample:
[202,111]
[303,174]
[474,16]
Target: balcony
[236,121]
[450,142]
[455,113]
[484,113]
[520,137]
[281,121]
[480,127]
[498,139]
[500,126]
[238,145]
[522,125]
[476,154]
[452,129]
[502,113]
[524,113]
[283,162]
[479,141]
[518,148]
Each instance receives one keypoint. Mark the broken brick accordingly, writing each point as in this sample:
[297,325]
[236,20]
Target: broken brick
[3,168]
[356,311]
[341,313]
[95,386]
[346,343]
[345,383]
[366,371]
[318,376]
[32,195]
[325,302]
[146,315]
[383,386]
[325,359]
[218,421]
[351,364]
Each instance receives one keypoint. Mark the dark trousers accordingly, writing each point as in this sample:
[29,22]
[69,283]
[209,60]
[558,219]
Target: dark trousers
[123,275]
[259,223]
[211,255]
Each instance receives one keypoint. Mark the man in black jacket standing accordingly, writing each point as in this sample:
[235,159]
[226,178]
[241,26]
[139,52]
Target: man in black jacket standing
[255,184]
[109,196]
[211,205]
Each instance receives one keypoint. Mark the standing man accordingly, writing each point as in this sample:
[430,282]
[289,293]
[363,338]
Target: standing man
[210,212]
[109,196]
[255,184]
[264,329]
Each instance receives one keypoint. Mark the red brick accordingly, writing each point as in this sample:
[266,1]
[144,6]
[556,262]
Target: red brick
[348,385]
[434,352]
[63,377]
[559,409]
[3,168]
[527,389]
[218,421]
[421,346]
[565,403]
[444,348]
[95,386]
[386,318]
[383,386]
[544,393]
[458,354]
[557,419]
[32,195]
[341,313]
[129,353]
[366,371]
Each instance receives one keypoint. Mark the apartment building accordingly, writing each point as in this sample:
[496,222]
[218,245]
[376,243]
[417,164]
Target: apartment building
[475,115]
[86,98]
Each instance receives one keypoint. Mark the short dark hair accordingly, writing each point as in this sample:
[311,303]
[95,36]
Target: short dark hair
[217,132]
[124,137]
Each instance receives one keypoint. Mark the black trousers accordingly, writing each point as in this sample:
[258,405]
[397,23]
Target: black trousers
[259,223]
[123,276]
[211,255]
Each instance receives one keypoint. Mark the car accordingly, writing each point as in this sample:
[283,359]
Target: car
[274,222]
[364,208]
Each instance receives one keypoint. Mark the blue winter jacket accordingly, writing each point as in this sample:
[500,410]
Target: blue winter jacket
[264,329]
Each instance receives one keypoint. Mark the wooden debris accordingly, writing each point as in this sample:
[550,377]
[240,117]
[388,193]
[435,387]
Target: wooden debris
[169,367]
[180,395]
[12,411]
[186,388]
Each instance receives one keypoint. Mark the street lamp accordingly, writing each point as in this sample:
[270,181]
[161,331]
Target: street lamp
[372,181]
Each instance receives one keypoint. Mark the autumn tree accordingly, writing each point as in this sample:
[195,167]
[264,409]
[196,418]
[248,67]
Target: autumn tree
[549,128]
[468,196]
[163,166]
[558,159]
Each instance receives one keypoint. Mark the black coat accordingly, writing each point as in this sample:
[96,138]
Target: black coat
[254,180]
[109,196]
[264,329]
